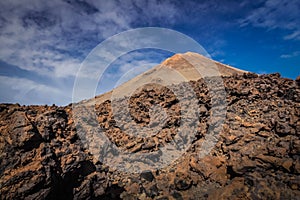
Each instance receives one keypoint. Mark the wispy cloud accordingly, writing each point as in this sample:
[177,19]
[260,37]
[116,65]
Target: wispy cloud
[30,92]
[281,14]
[52,38]
[295,35]
[291,55]
[37,35]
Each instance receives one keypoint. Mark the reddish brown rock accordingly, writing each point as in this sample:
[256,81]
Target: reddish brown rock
[256,155]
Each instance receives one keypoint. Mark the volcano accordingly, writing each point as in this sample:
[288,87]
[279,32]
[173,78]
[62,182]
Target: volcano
[174,70]
[205,130]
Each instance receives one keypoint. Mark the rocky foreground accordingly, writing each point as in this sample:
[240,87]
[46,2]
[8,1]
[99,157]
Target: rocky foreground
[257,155]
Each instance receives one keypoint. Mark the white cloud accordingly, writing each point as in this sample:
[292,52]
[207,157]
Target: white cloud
[24,91]
[295,35]
[282,14]
[33,37]
[51,38]
[35,34]
[291,55]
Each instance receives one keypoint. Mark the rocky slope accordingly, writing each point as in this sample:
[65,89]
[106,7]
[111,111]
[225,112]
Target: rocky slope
[256,155]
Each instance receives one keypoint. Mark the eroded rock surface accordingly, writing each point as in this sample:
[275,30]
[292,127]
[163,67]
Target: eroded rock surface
[256,156]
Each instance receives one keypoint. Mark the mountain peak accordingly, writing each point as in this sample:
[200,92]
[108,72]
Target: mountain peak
[187,66]
[181,59]
[174,60]
[192,63]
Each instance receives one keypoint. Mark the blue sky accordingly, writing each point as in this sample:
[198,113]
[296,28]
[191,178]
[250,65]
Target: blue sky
[44,42]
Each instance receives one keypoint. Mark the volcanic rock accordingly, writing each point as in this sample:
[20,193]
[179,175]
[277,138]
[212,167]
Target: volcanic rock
[43,154]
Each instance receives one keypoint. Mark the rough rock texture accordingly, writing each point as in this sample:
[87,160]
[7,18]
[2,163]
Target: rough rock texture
[257,155]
